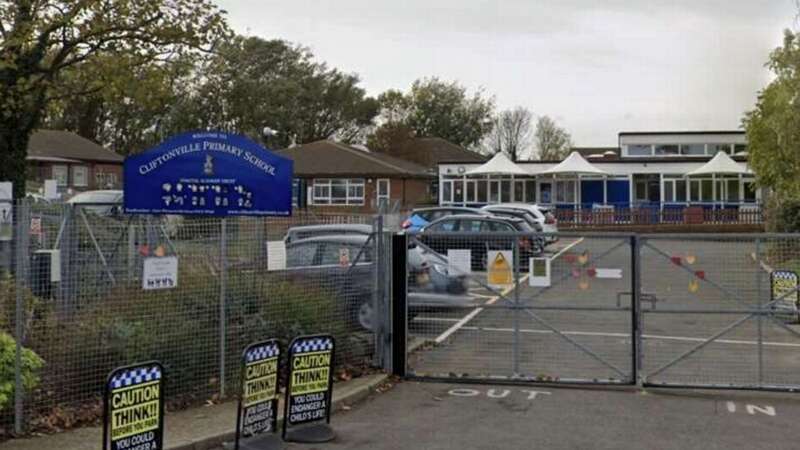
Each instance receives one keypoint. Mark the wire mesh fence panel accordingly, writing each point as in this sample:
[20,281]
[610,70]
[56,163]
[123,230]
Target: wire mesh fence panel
[718,322]
[486,305]
[89,306]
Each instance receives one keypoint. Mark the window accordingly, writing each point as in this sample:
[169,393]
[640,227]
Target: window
[667,150]
[519,191]
[61,175]
[384,190]
[334,254]
[80,176]
[640,191]
[339,191]
[445,225]
[530,191]
[494,191]
[713,149]
[295,193]
[105,180]
[470,225]
[693,149]
[640,150]
[301,255]
[447,192]
[733,191]
[706,190]
[669,191]
[680,190]
[505,191]
[749,191]
[482,197]
[739,148]
[458,191]
[469,195]
[565,191]
[498,226]
[694,190]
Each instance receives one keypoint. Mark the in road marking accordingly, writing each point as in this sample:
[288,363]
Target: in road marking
[464,320]
[767,410]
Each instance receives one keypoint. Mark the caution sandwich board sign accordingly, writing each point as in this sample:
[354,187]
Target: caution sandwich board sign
[133,408]
[784,288]
[258,403]
[308,389]
[500,270]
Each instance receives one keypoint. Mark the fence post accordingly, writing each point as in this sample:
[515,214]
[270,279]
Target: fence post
[760,315]
[636,330]
[223,253]
[20,258]
[515,347]
[399,311]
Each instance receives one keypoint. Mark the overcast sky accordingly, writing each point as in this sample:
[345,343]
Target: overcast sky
[598,67]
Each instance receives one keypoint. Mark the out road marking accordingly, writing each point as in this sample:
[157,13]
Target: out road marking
[472,314]
[494,393]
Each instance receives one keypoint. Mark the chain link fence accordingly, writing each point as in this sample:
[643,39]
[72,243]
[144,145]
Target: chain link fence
[74,300]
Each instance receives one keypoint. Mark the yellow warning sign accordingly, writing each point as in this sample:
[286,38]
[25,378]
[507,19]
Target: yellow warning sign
[310,372]
[501,270]
[135,409]
[260,381]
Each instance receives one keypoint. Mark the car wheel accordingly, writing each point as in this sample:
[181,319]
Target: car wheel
[366,316]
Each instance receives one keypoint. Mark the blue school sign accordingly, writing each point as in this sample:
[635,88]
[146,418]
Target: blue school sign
[208,173]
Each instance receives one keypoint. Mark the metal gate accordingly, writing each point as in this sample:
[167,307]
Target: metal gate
[718,322]
[512,306]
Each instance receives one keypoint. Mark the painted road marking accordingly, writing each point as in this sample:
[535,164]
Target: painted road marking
[464,320]
[767,410]
[495,393]
[626,335]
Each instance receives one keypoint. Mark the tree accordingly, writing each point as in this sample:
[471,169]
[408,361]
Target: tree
[511,133]
[435,108]
[255,83]
[40,40]
[773,127]
[552,142]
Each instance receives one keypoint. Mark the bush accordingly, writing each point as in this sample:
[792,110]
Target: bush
[31,363]
[783,215]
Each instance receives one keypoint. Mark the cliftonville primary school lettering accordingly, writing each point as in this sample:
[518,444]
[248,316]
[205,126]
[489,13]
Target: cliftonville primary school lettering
[154,164]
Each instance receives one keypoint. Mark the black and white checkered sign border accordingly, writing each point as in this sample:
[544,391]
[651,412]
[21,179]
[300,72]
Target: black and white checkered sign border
[313,345]
[785,275]
[262,352]
[137,375]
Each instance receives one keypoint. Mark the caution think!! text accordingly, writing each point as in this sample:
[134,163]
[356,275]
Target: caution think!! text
[134,408]
[309,389]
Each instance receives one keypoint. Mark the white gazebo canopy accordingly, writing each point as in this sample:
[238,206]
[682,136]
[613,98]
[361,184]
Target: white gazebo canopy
[498,165]
[574,164]
[720,164]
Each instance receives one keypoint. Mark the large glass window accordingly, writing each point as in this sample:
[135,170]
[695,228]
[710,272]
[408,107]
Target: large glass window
[494,191]
[447,191]
[713,149]
[338,191]
[706,190]
[640,150]
[694,190]
[61,175]
[732,191]
[530,191]
[669,191]
[680,190]
[470,191]
[667,150]
[565,191]
[80,176]
[640,191]
[693,149]
[750,191]
[482,197]
[505,191]
[519,191]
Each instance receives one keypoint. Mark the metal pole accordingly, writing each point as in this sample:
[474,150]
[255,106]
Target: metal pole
[222,273]
[515,361]
[20,244]
[636,315]
[760,316]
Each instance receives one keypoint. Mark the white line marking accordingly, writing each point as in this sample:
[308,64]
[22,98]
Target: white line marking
[625,335]
[435,319]
[464,320]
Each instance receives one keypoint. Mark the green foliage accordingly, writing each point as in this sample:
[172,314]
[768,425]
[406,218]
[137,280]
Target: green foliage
[31,363]
[773,127]
[553,143]
[783,216]
[40,41]
[436,108]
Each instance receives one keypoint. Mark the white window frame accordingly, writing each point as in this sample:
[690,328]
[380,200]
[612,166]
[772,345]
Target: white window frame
[75,169]
[54,170]
[378,195]
[563,187]
[328,183]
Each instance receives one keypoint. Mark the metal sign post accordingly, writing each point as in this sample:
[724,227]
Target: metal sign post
[309,386]
[133,408]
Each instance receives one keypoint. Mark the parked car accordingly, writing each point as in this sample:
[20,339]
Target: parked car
[307,231]
[479,234]
[542,214]
[421,217]
[103,203]
[334,261]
